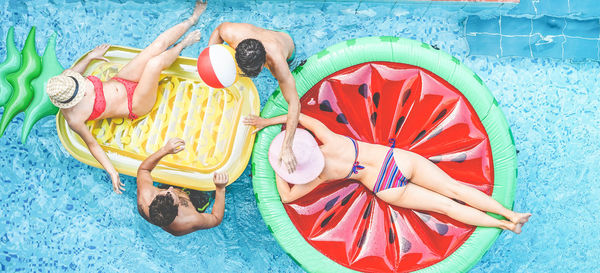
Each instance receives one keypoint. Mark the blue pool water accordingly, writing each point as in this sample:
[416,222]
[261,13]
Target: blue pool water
[57,214]
[567,29]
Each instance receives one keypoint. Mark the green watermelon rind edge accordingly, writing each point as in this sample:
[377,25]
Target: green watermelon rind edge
[391,49]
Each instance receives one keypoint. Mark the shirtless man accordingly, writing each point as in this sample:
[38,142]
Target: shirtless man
[257,48]
[171,209]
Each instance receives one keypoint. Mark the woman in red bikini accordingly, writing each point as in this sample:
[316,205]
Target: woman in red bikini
[398,177]
[131,93]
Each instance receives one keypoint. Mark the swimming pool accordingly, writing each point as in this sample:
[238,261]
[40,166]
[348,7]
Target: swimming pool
[60,215]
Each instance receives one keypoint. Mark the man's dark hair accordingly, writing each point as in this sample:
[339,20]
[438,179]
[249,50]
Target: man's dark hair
[163,210]
[250,55]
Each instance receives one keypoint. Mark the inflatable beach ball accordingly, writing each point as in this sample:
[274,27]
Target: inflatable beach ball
[217,66]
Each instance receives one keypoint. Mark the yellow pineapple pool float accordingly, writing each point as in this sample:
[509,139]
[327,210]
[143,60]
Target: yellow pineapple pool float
[208,120]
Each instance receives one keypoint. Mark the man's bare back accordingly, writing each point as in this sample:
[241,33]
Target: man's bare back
[277,44]
[172,209]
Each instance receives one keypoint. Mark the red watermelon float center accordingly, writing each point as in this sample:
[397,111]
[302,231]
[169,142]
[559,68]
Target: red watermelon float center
[374,102]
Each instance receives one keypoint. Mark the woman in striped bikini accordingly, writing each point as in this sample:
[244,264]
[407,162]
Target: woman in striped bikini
[398,177]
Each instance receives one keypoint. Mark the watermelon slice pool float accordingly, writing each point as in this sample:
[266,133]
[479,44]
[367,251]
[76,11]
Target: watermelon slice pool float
[374,89]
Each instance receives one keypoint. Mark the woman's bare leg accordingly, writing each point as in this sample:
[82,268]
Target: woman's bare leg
[144,95]
[133,70]
[428,175]
[411,196]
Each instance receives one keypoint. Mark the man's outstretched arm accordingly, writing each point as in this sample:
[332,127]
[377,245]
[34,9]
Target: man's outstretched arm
[287,84]
[144,178]
[218,209]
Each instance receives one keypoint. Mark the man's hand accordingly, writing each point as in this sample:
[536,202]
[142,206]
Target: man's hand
[256,121]
[220,180]
[118,186]
[287,158]
[174,145]
[98,53]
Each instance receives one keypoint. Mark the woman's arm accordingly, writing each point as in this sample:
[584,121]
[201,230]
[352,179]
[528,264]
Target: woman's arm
[288,194]
[318,128]
[96,54]
[99,155]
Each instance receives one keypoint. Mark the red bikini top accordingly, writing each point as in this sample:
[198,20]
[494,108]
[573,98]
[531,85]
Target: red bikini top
[99,101]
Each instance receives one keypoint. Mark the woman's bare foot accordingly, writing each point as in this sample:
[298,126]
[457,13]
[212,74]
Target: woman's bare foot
[520,218]
[508,225]
[517,228]
[191,38]
[198,10]
[516,222]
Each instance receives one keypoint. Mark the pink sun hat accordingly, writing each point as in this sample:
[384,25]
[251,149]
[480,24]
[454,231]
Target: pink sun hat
[309,158]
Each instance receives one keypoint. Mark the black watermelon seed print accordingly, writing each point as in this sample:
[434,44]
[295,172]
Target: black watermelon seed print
[374,118]
[405,97]
[362,239]
[367,211]
[325,106]
[347,198]
[331,203]
[399,124]
[440,115]
[442,229]
[376,97]
[341,118]
[419,136]
[363,90]
[324,223]
[406,245]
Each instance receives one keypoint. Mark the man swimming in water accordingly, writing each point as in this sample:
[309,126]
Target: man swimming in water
[172,209]
[257,48]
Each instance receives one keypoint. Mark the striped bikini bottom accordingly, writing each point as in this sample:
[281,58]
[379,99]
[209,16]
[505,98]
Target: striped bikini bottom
[389,175]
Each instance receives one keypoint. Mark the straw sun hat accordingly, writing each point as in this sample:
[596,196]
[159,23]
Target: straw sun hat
[67,89]
[309,158]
